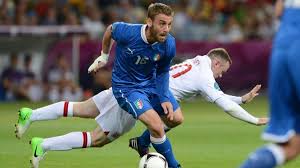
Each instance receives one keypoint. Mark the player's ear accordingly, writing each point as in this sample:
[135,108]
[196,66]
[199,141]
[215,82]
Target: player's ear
[214,62]
[149,22]
[218,62]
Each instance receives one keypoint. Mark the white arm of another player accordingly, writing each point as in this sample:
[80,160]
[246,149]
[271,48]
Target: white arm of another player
[248,97]
[236,99]
[235,110]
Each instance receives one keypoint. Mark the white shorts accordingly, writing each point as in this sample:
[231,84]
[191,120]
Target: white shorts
[113,120]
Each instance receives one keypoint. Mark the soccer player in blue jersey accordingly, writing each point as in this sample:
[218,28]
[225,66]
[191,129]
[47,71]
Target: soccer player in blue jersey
[284,84]
[140,76]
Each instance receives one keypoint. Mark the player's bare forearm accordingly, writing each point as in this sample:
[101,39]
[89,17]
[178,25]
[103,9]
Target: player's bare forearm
[107,40]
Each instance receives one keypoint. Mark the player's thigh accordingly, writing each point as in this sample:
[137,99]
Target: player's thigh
[99,137]
[177,120]
[92,107]
[114,121]
[85,109]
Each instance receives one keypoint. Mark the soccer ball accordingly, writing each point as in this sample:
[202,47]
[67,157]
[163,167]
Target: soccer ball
[153,160]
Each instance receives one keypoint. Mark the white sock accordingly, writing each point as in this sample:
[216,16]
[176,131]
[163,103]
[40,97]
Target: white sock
[278,153]
[67,142]
[158,140]
[53,111]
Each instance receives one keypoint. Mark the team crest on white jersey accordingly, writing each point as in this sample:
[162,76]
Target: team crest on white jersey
[217,87]
[138,104]
[156,57]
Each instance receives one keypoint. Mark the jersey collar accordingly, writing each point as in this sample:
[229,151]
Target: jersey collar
[208,60]
[143,35]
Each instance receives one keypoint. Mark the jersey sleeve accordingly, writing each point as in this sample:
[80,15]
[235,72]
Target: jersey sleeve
[210,89]
[162,73]
[236,99]
[235,110]
[120,32]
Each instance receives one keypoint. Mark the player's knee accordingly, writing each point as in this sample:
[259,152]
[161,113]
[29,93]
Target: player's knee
[179,120]
[99,139]
[157,130]
[178,117]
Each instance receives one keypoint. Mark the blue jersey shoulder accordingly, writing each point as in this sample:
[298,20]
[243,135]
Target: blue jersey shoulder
[170,46]
[125,32]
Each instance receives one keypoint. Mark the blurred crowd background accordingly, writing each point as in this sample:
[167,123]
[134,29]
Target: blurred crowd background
[214,20]
[48,74]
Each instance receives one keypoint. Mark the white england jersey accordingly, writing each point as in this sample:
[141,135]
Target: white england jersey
[192,77]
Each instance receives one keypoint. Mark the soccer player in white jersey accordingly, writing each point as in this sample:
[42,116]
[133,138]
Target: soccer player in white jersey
[197,76]
[114,122]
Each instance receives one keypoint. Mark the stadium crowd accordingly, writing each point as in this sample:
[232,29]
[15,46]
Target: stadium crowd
[223,21]
[213,20]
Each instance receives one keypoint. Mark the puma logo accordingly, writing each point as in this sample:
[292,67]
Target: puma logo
[129,51]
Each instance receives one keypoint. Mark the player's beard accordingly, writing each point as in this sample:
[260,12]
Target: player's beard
[156,35]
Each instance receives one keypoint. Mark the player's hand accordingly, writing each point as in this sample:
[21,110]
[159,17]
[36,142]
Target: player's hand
[168,110]
[98,63]
[262,121]
[253,93]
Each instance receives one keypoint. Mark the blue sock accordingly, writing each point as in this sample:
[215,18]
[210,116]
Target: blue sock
[163,146]
[261,158]
[144,139]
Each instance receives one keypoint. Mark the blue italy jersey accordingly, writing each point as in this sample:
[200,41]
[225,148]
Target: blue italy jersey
[138,64]
[290,22]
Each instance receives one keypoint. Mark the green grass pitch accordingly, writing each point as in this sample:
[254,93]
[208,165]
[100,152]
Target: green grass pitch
[209,138]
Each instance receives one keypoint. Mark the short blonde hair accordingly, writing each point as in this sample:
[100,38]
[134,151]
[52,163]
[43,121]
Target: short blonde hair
[221,53]
[159,8]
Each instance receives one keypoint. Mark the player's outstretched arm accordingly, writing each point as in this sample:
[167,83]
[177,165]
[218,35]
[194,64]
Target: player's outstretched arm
[238,112]
[248,97]
[262,121]
[106,46]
